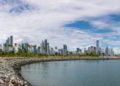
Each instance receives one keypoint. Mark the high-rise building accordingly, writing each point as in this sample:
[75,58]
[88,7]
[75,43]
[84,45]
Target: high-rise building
[107,51]
[11,40]
[34,49]
[85,51]
[112,52]
[60,51]
[8,45]
[78,51]
[45,47]
[52,51]
[16,47]
[0,47]
[97,47]
[24,47]
[65,47]
[38,49]
[65,50]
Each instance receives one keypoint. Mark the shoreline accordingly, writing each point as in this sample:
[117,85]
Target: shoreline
[10,67]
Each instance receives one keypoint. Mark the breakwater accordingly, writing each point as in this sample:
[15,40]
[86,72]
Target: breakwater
[10,67]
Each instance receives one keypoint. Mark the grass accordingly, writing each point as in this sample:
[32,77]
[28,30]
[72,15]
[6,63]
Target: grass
[35,55]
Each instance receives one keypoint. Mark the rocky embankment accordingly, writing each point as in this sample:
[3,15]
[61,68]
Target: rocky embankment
[9,73]
[10,67]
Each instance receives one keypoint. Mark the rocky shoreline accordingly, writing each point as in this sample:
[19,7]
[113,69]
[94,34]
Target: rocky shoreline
[10,67]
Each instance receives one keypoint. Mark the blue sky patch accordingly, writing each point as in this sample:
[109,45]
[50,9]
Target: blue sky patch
[114,37]
[85,25]
[103,31]
[115,17]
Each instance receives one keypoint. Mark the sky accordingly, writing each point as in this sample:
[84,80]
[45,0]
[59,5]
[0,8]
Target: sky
[77,23]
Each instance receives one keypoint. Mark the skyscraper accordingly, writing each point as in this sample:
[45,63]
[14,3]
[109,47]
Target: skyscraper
[34,49]
[8,46]
[45,47]
[97,47]
[78,51]
[11,41]
[65,49]
[24,47]
[107,51]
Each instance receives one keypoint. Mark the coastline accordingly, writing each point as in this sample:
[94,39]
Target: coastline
[10,67]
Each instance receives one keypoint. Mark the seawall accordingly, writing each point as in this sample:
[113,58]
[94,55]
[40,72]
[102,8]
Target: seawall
[10,67]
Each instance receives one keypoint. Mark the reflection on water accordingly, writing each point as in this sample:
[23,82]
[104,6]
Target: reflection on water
[73,73]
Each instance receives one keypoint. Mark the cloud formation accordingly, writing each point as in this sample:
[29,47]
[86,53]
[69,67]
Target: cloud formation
[34,20]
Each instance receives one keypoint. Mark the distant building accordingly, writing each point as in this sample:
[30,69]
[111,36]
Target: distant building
[0,47]
[109,51]
[34,49]
[112,52]
[38,49]
[60,51]
[56,50]
[85,51]
[45,47]
[65,50]
[97,47]
[16,47]
[24,47]
[78,51]
[52,51]
[8,45]
[11,40]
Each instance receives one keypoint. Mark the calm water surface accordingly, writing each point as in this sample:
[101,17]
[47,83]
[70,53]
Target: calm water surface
[73,73]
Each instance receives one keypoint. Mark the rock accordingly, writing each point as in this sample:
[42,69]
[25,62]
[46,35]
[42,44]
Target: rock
[1,81]
[13,81]
[21,83]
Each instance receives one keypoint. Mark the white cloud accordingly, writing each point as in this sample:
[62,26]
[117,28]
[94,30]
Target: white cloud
[48,18]
[101,24]
[117,50]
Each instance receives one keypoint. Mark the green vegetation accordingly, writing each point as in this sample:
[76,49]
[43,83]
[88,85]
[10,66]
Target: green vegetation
[21,53]
[13,54]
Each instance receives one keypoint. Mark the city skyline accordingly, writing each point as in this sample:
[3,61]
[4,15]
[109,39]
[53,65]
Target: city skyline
[77,23]
[45,48]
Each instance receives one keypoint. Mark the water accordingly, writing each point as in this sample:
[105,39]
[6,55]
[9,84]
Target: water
[73,73]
